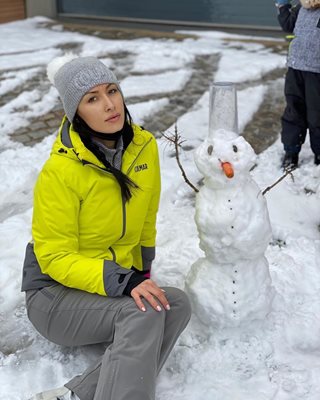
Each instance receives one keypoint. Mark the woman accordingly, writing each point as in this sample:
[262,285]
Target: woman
[86,272]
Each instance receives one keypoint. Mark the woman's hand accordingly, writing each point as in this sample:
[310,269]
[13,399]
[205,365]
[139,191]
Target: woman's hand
[150,291]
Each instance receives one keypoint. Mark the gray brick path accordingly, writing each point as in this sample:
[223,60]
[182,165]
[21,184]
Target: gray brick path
[180,103]
[39,129]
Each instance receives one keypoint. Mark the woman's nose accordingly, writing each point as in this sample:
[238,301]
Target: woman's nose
[108,103]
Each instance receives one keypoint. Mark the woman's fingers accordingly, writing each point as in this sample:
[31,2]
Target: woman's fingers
[151,292]
[136,297]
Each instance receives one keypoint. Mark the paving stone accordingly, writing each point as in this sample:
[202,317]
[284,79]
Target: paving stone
[53,123]
[48,116]
[32,142]
[20,131]
[57,107]
[39,134]
[21,138]
[38,125]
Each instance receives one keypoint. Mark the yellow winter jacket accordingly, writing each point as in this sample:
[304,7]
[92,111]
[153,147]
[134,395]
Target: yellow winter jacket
[85,235]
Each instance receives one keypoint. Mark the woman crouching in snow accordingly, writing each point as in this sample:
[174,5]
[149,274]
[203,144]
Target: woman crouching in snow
[86,271]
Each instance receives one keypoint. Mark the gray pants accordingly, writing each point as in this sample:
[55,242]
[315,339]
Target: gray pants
[138,342]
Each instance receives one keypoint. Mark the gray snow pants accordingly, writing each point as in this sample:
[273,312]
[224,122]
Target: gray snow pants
[138,342]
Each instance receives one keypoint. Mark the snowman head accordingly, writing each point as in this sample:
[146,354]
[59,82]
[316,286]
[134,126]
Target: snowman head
[224,159]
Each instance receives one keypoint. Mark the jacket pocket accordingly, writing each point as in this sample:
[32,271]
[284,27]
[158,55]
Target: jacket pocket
[47,293]
[46,298]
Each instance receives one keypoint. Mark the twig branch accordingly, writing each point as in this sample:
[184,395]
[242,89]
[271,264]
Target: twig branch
[287,172]
[176,140]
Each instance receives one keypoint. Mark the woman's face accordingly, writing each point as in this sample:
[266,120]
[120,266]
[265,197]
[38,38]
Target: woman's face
[102,108]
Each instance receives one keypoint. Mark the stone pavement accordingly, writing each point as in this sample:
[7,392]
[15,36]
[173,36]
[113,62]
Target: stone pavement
[39,129]
[267,119]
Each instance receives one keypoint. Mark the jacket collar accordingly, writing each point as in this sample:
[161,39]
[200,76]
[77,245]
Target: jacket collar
[69,144]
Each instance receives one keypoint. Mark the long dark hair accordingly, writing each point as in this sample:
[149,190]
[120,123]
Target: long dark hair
[86,134]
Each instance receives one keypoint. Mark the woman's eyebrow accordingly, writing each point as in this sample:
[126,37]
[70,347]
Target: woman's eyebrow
[97,91]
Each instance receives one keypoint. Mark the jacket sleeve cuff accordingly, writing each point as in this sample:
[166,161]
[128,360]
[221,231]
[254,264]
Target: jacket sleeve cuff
[134,280]
[147,255]
[115,278]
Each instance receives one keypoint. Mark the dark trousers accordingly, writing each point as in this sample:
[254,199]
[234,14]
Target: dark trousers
[302,112]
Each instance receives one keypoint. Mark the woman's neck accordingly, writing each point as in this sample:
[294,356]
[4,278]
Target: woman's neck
[111,144]
[107,139]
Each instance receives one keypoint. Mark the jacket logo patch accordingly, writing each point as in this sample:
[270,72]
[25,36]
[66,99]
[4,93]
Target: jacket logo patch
[140,167]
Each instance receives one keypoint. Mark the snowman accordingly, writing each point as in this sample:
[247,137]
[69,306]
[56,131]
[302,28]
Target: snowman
[231,285]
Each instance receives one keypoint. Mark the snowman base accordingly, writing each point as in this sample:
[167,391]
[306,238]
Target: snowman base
[230,295]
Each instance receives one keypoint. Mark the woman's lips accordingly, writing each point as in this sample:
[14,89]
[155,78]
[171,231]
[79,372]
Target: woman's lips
[114,118]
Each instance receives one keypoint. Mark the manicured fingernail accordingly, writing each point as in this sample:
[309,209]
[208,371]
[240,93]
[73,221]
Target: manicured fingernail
[158,308]
[143,309]
[163,290]
[167,307]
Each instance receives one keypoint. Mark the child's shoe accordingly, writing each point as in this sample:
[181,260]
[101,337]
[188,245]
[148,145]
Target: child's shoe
[290,161]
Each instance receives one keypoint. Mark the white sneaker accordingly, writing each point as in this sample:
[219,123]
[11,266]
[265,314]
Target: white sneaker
[61,393]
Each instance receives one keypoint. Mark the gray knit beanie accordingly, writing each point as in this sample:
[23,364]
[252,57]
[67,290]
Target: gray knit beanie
[74,76]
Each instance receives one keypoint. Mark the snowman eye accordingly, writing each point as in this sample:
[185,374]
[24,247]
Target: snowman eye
[235,148]
[210,149]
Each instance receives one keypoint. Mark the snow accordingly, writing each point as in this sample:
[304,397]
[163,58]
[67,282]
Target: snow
[18,112]
[139,111]
[276,358]
[40,57]
[12,81]
[250,65]
[165,82]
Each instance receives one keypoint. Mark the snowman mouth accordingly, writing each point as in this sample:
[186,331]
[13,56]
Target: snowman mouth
[227,169]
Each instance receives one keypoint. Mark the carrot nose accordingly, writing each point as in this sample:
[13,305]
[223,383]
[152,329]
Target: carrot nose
[227,169]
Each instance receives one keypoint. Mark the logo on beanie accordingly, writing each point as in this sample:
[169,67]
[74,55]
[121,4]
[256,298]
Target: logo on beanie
[88,77]
[140,167]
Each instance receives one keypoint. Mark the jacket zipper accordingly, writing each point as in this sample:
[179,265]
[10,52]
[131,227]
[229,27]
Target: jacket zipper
[114,257]
[135,160]
[124,213]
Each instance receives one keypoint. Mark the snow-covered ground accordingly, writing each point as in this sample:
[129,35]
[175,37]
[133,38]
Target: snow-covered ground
[277,358]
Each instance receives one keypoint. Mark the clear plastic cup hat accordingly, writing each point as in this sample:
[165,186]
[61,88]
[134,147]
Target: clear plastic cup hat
[223,108]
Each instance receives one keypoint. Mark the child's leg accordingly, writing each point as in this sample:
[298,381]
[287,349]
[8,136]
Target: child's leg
[312,81]
[294,119]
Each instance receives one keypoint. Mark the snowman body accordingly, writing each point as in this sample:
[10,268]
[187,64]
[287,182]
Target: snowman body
[231,284]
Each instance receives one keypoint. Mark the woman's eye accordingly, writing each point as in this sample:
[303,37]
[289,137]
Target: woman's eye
[92,99]
[113,91]
[235,148]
